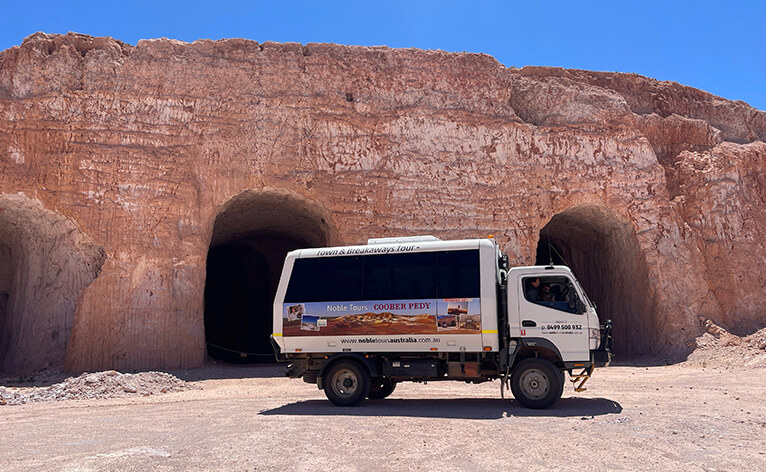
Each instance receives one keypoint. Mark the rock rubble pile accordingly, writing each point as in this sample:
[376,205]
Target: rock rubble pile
[719,348]
[107,384]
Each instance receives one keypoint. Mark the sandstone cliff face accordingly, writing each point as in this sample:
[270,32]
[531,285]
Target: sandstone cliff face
[652,191]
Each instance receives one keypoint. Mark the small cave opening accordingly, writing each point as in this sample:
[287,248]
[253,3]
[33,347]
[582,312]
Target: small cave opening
[603,252]
[46,263]
[251,237]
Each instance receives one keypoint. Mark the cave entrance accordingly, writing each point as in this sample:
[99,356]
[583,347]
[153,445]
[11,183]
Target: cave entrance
[46,263]
[603,251]
[251,237]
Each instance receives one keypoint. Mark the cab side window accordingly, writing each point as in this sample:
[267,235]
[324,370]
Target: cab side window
[555,292]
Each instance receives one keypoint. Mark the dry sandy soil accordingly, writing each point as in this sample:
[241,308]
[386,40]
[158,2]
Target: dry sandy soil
[679,417]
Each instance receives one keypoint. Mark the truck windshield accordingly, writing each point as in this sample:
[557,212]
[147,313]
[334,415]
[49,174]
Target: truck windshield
[582,290]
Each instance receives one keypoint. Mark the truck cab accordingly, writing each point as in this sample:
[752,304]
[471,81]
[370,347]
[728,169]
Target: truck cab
[548,307]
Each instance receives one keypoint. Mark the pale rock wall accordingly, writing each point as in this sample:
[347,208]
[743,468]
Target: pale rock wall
[143,146]
[722,199]
[45,264]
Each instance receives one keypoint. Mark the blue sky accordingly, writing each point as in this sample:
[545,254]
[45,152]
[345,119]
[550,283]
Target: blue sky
[714,46]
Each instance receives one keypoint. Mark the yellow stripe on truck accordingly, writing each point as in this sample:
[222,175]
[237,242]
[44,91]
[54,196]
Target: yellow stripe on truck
[488,331]
[280,334]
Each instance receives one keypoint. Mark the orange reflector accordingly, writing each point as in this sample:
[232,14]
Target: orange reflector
[491,236]
[434,348]
[298,350]
[579,365]
[487,348]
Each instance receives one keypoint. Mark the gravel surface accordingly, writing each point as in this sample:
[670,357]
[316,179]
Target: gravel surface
[706,414]
[679,417]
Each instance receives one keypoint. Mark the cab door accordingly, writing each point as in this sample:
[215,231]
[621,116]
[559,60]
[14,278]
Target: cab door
[551,309]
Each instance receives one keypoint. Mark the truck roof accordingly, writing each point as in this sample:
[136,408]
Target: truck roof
[396,246]
[402,239]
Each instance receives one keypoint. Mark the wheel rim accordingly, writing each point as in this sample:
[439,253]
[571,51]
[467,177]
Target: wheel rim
[345,383]
[534,384]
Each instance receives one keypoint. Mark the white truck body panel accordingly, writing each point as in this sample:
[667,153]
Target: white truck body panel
[441,340]
[567,331]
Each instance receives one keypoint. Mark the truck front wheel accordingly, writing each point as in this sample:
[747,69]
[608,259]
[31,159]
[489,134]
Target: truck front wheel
[536,383]
[346,383]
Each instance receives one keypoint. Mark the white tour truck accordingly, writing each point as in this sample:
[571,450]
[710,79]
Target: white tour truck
[357,320]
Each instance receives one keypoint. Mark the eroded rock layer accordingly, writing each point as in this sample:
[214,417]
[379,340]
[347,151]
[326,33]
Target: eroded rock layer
[654,192]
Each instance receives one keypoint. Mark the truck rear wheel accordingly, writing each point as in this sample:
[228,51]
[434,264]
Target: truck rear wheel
[381,388]
[346,383]
[536,383]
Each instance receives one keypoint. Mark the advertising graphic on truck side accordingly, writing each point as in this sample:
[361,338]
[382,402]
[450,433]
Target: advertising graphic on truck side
[429,316]
[357,320]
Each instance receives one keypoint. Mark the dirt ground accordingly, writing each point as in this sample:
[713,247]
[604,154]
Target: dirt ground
[680,417]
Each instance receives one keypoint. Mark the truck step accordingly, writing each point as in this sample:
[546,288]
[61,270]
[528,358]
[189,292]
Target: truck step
[582,377]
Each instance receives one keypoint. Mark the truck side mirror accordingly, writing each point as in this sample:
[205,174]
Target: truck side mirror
[580,306]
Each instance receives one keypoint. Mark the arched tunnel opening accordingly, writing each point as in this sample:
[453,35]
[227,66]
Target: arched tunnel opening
[603,252]
[46,263]
[251,237]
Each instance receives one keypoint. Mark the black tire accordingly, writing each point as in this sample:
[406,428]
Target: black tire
[310,376]
[536,383]
[381,388]
[346,383]
[563,381]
